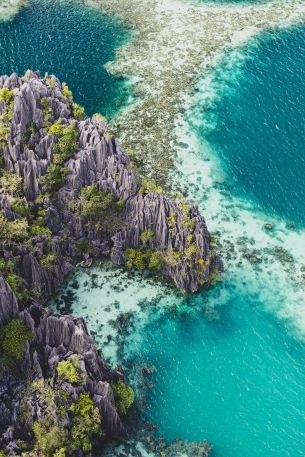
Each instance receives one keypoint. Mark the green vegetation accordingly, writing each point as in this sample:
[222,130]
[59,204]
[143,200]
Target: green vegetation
[156,261]
[78,111]
[30,131]
[65,148]
[84,246]
[123,396]
[144,258]
[171,220]
[60,453]
[54,177]
[15,281]
[16,230]
[10,183]
[150,186]
[56,129]
[99,209]
[48,261]
[95,202]
[137,258]
[13,338]
[86,422]
[173,257]
[70,371]
[52,438]
[20,207]
[38,230]
[146,236]
[6,96]
[47,111]
[67,92]
[67,143]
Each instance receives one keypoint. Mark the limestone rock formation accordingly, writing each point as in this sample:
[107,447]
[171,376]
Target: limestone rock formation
[55,338]
[68,191]
[180,235]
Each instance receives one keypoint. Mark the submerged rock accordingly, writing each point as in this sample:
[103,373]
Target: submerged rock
[68,192]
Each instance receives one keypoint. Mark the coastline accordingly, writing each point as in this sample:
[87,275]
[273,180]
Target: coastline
[166,91]
[173,44]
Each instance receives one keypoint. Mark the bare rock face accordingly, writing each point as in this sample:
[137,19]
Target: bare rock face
[180,235]
[138,227]
[55,338]
[8,303]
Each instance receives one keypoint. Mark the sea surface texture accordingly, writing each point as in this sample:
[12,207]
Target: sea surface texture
[71,41]
[257,126]
[228,364]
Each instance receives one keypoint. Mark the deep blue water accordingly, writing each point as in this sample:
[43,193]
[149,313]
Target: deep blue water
[71,41]
[260,125]
[235,377]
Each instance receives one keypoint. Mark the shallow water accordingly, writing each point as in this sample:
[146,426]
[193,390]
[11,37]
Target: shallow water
[234,377]
[71,41]
[227,370]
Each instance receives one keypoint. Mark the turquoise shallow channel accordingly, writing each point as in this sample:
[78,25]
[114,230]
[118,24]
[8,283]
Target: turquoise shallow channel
[231,373]
[71,41]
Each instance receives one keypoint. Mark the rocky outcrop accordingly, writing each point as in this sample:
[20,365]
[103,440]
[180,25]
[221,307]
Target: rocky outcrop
[55,338]
[67,190]
[180,233]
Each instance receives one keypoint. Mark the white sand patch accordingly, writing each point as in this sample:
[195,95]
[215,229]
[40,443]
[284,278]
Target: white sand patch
[174,43]
[107,297]
[9,8]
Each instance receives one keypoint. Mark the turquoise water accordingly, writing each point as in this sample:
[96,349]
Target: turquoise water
[71,41]
[234,375]
[237,379]
[259,124]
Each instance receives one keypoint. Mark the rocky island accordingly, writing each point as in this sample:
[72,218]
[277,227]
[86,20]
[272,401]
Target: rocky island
[69,193]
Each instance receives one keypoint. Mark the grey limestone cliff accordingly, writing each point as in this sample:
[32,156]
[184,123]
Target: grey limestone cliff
[180,234]
[68,191]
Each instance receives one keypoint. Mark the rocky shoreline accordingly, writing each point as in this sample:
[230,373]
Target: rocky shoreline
[69,192]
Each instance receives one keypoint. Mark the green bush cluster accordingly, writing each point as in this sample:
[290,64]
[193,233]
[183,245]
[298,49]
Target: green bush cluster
[67,143]
[54,178]
[99,208]
[78,111]
[123,396]
[13,338]
[67,92]
[31,129]
[48,261]
[150,186]
[10,183]
[173,257]
[16,230]
[144,258]
[21,207]
[86,422]
[15,281]
[146,236]
[94,203]
[52,437]
[65,147]
[6,96]
[70,371]
[47,111]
